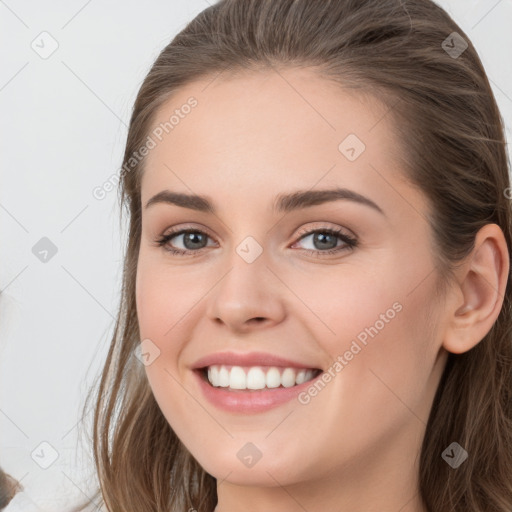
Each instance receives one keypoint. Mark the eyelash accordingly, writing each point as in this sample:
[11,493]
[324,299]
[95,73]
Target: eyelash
[349,241]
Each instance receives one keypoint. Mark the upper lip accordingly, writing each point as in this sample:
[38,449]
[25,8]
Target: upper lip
[247,359]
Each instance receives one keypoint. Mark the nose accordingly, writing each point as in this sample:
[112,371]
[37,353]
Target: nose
[247,296]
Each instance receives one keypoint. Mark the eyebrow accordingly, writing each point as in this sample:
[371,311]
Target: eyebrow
[282,203]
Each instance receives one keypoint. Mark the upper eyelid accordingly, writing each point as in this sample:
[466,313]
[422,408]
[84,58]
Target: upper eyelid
[337,229]
[180,231]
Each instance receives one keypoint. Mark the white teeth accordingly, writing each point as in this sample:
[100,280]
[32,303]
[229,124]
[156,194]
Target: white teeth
[288,378]
[223,377]
[237,378]
[301,377]
[273,378]
[256,377]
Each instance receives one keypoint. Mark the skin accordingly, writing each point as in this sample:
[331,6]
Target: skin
[355,446]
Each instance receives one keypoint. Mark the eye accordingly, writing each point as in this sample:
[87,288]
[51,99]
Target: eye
[194,240]
[325,238]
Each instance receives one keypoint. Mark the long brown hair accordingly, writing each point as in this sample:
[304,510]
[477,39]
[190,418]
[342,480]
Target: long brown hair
[404,53]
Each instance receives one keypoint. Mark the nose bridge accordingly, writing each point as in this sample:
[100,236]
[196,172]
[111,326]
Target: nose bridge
[248,289]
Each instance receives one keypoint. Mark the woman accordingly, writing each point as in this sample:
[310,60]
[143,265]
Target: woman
[316,313]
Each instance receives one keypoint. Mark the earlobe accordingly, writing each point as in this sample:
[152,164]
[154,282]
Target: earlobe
[482,281]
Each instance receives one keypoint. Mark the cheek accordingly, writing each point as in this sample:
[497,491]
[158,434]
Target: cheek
[381,382]
[164,299]
[380,332]
[165,303]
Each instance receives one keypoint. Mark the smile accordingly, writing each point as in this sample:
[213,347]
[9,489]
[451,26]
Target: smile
[257,377]
[227,387]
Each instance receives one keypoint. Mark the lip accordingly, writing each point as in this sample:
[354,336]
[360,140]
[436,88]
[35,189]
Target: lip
[249,401]
[248,359]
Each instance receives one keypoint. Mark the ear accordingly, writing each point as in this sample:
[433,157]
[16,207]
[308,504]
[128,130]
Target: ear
[482,280]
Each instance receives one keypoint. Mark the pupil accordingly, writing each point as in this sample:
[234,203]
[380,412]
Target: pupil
[321,238]
[193,238]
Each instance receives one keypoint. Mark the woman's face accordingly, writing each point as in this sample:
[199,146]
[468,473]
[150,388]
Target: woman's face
[271,277]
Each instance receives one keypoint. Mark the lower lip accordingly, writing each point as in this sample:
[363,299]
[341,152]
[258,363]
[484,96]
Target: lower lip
[252,401]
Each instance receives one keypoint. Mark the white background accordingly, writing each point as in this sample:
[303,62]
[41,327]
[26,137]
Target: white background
[63,127]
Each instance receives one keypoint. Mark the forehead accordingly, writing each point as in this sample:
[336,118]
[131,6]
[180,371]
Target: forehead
[254,132]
